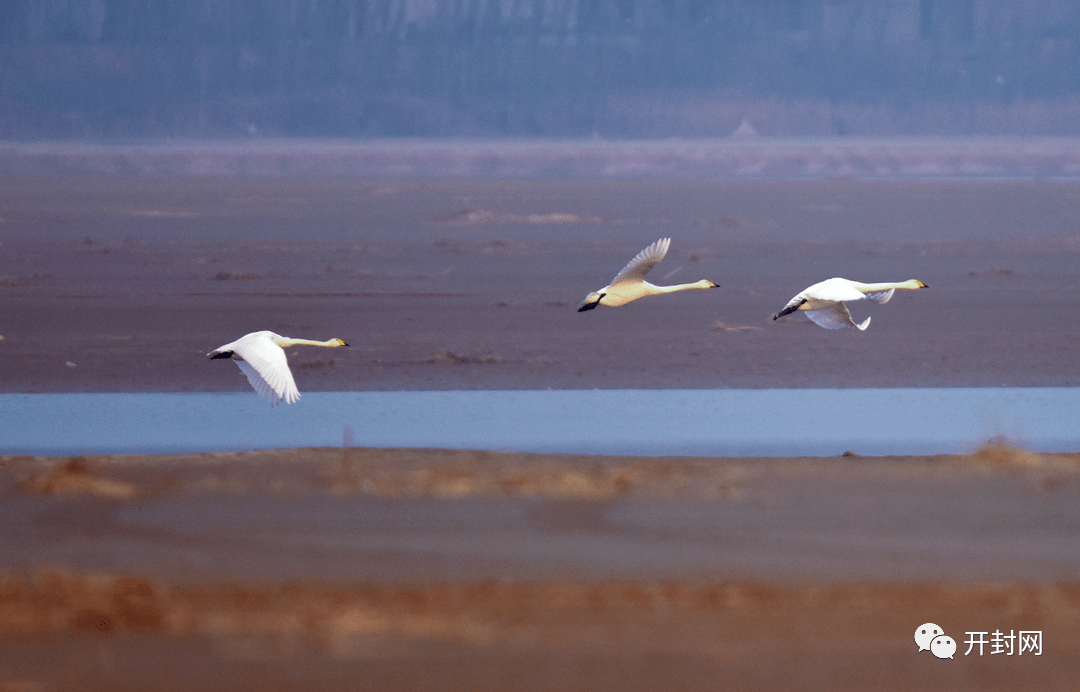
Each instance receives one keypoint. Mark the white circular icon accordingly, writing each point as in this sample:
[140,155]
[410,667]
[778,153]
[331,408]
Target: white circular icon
[943,646]
[925,634]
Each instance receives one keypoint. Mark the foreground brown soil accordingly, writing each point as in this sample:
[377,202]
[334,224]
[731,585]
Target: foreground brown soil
[274,570]
[66,630]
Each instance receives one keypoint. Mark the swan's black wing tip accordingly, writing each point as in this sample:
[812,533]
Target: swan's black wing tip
[789,309]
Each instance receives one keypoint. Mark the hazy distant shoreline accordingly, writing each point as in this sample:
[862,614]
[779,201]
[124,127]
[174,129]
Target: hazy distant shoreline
[750,158]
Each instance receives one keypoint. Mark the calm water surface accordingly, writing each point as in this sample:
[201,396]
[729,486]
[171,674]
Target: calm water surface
[760,422]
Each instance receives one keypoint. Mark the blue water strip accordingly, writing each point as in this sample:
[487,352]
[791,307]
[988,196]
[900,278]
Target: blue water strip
[728,422]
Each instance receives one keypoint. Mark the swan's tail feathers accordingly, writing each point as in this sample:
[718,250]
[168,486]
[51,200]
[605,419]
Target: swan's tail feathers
[836,316]
[881,296]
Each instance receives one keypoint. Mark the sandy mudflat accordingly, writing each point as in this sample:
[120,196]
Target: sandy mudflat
[124,284]
[426,569]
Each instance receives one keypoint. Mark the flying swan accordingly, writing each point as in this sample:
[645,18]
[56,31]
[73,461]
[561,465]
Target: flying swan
[824,302]
[261,355]
[630,283]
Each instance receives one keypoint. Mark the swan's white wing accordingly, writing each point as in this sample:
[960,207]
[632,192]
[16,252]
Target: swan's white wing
[261,386]
[825,295]
[267,370]
[835,316]
[641,265]
[880,296]
[838,290]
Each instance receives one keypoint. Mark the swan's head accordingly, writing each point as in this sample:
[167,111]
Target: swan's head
[920,284]
[709,284]
[336,342]
[591,301]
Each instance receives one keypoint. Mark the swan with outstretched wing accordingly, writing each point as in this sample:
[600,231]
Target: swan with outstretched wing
[261,356]
[630,284]
[824,302]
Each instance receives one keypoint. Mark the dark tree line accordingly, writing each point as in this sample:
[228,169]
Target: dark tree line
[123,68]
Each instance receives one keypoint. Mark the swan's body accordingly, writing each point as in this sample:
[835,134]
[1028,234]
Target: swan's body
[630,284]
[824,302]
[261,356]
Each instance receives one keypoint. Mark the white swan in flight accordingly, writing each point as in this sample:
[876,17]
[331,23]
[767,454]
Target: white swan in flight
[630,284]
[261,355]
[824,302]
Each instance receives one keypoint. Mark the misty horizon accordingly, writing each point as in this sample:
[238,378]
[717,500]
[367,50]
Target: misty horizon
[547,68]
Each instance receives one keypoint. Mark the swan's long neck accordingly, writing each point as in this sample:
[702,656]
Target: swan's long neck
[874,288]
[285,342]
[704,283]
